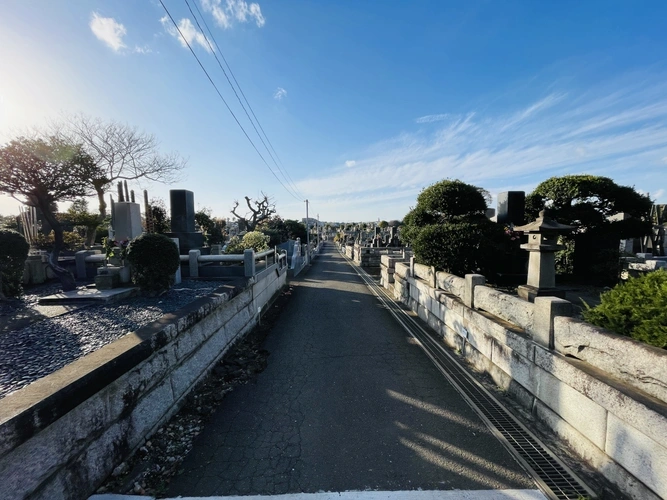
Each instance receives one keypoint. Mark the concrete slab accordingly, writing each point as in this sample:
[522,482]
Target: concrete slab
[90,295]
[366,495]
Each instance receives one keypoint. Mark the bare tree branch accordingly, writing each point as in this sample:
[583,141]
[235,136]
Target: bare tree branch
[258,210]
[122,152]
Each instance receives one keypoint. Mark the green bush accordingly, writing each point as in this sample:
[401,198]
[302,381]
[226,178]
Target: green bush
[254,239]
[448,230]
[13,254]
[154,259]
[72,241]
[637,309]
[461,247]
[234,245]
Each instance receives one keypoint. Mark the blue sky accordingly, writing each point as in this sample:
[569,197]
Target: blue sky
[366,102]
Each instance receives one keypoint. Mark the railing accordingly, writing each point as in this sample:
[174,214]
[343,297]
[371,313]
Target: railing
[248,257]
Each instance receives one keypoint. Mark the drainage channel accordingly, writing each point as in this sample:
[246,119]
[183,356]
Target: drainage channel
[553,477]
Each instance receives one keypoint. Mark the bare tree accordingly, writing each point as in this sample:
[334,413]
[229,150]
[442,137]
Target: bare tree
[258,211]
[121,152]
[43,172]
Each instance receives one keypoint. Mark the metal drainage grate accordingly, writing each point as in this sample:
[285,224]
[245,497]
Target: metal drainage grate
[553,477]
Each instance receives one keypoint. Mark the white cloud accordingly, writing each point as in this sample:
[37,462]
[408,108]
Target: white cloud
[233,10]
[189,32]
[657,194]
[279,94]
[432,118]
[350,163]
[142,50]
[616,129]
[107,30]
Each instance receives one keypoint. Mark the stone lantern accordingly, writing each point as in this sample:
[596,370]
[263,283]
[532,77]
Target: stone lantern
[542,245]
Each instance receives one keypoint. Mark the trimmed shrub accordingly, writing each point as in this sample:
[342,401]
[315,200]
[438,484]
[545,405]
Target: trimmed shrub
[448,230]
[461,247]
[637,309]
[154,259]
[13,254]
[234,245]
[254,239]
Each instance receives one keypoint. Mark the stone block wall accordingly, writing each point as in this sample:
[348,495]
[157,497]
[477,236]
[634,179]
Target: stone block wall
[603,394]
[61,436]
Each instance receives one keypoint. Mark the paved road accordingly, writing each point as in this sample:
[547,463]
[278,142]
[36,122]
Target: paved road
[347,402]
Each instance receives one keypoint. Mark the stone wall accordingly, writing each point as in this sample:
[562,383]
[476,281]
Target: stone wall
[371,256]
[61,436]
[603,394]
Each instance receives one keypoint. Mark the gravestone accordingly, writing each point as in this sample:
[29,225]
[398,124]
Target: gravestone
[182,204]
[511,206]
[126,220]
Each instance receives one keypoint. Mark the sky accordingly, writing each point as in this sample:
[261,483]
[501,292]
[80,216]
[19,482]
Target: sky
[364,103]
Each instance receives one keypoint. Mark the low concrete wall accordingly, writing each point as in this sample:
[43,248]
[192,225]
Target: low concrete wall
[61,436]
[609,405]
[371,256]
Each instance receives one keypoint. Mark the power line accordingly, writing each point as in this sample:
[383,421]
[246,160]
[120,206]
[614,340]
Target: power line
[232,86]
[282,170]
[223,99]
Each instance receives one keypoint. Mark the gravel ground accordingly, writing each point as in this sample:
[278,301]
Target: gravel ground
[43,347]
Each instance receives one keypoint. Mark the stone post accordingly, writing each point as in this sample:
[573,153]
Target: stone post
[177,274]
[412,267]
[194,263]
[80,258]
[472,280]
[546,309]
[249,262]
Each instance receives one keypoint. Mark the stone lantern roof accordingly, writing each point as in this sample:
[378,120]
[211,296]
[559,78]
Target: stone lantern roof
[544,224]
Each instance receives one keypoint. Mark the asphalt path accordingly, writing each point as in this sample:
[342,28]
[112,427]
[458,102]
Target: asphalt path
[348,402]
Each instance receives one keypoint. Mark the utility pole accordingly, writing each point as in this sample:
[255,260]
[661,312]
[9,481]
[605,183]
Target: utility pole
[318,229]
[307,235]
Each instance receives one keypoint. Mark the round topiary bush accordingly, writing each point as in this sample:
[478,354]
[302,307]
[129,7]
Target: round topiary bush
[154,259]
[460,247]
[13,254]
[254,239]
[636,308]
[448,229]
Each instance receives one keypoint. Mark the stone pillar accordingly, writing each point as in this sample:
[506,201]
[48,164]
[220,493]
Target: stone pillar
[80,258]
[34,271]
[194,263]
[542,269]
[472,280]
[177,275]
[249,262]
[546,309]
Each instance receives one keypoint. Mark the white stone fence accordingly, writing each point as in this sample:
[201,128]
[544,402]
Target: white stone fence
[196,260]
[603,394]
[370,256]
[249,259]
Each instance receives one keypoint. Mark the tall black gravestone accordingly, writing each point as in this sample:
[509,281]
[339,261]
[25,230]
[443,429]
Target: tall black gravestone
[511,206]
[182,203]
